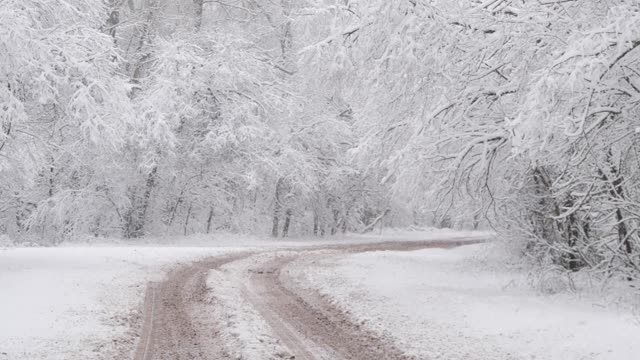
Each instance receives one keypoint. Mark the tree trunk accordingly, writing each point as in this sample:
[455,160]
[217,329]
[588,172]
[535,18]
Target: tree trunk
[344,222]
[476,220]
[6,128]
[617,194]
[286,41]
[622,232]
[136,66]
[186,221]
[209,220]
[315,223]
[199,9]
[114,19]
[572,234]
[51,175]
[543,227]
[287,222]
[146,197]
[174,210]
[274,227]
[334,226]
[136,216]
[622,226]
[276,210]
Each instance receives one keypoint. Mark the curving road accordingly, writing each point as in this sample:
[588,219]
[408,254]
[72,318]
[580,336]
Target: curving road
[177,324]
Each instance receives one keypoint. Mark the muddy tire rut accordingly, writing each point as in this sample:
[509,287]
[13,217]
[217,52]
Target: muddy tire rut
[177,311]
[309,325]
[173,327]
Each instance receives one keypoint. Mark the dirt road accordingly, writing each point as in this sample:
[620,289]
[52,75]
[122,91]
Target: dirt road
[177,314]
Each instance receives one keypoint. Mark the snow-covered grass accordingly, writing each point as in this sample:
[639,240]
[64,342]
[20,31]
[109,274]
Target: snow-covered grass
[219,239]
[420,233]
[449,304]
[77,303]
[245,333]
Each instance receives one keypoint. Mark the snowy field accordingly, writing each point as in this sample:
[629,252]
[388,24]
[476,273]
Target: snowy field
[80,301]
[453,304]
[83,302]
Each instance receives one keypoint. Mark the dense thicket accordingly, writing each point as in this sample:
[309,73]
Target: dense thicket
[128,118]
[524,113]
[136,117]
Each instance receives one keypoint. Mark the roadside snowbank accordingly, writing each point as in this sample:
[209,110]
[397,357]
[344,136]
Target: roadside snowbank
[443,304]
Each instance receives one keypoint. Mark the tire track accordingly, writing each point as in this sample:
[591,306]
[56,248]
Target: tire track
[309,325]
[177,315]
[172,329]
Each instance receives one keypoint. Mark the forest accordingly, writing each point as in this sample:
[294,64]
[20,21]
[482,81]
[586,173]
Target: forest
[133,118]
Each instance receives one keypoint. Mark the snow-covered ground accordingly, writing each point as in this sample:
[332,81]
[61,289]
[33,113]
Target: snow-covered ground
[452,304]
[78,301]
[245,334]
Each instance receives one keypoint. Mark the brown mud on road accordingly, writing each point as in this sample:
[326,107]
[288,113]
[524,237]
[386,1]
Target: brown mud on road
[170,330]
[177,325]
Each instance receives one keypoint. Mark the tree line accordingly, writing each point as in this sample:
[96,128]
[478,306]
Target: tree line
[139,117]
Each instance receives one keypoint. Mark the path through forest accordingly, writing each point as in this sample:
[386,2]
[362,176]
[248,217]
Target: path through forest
[306,324]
